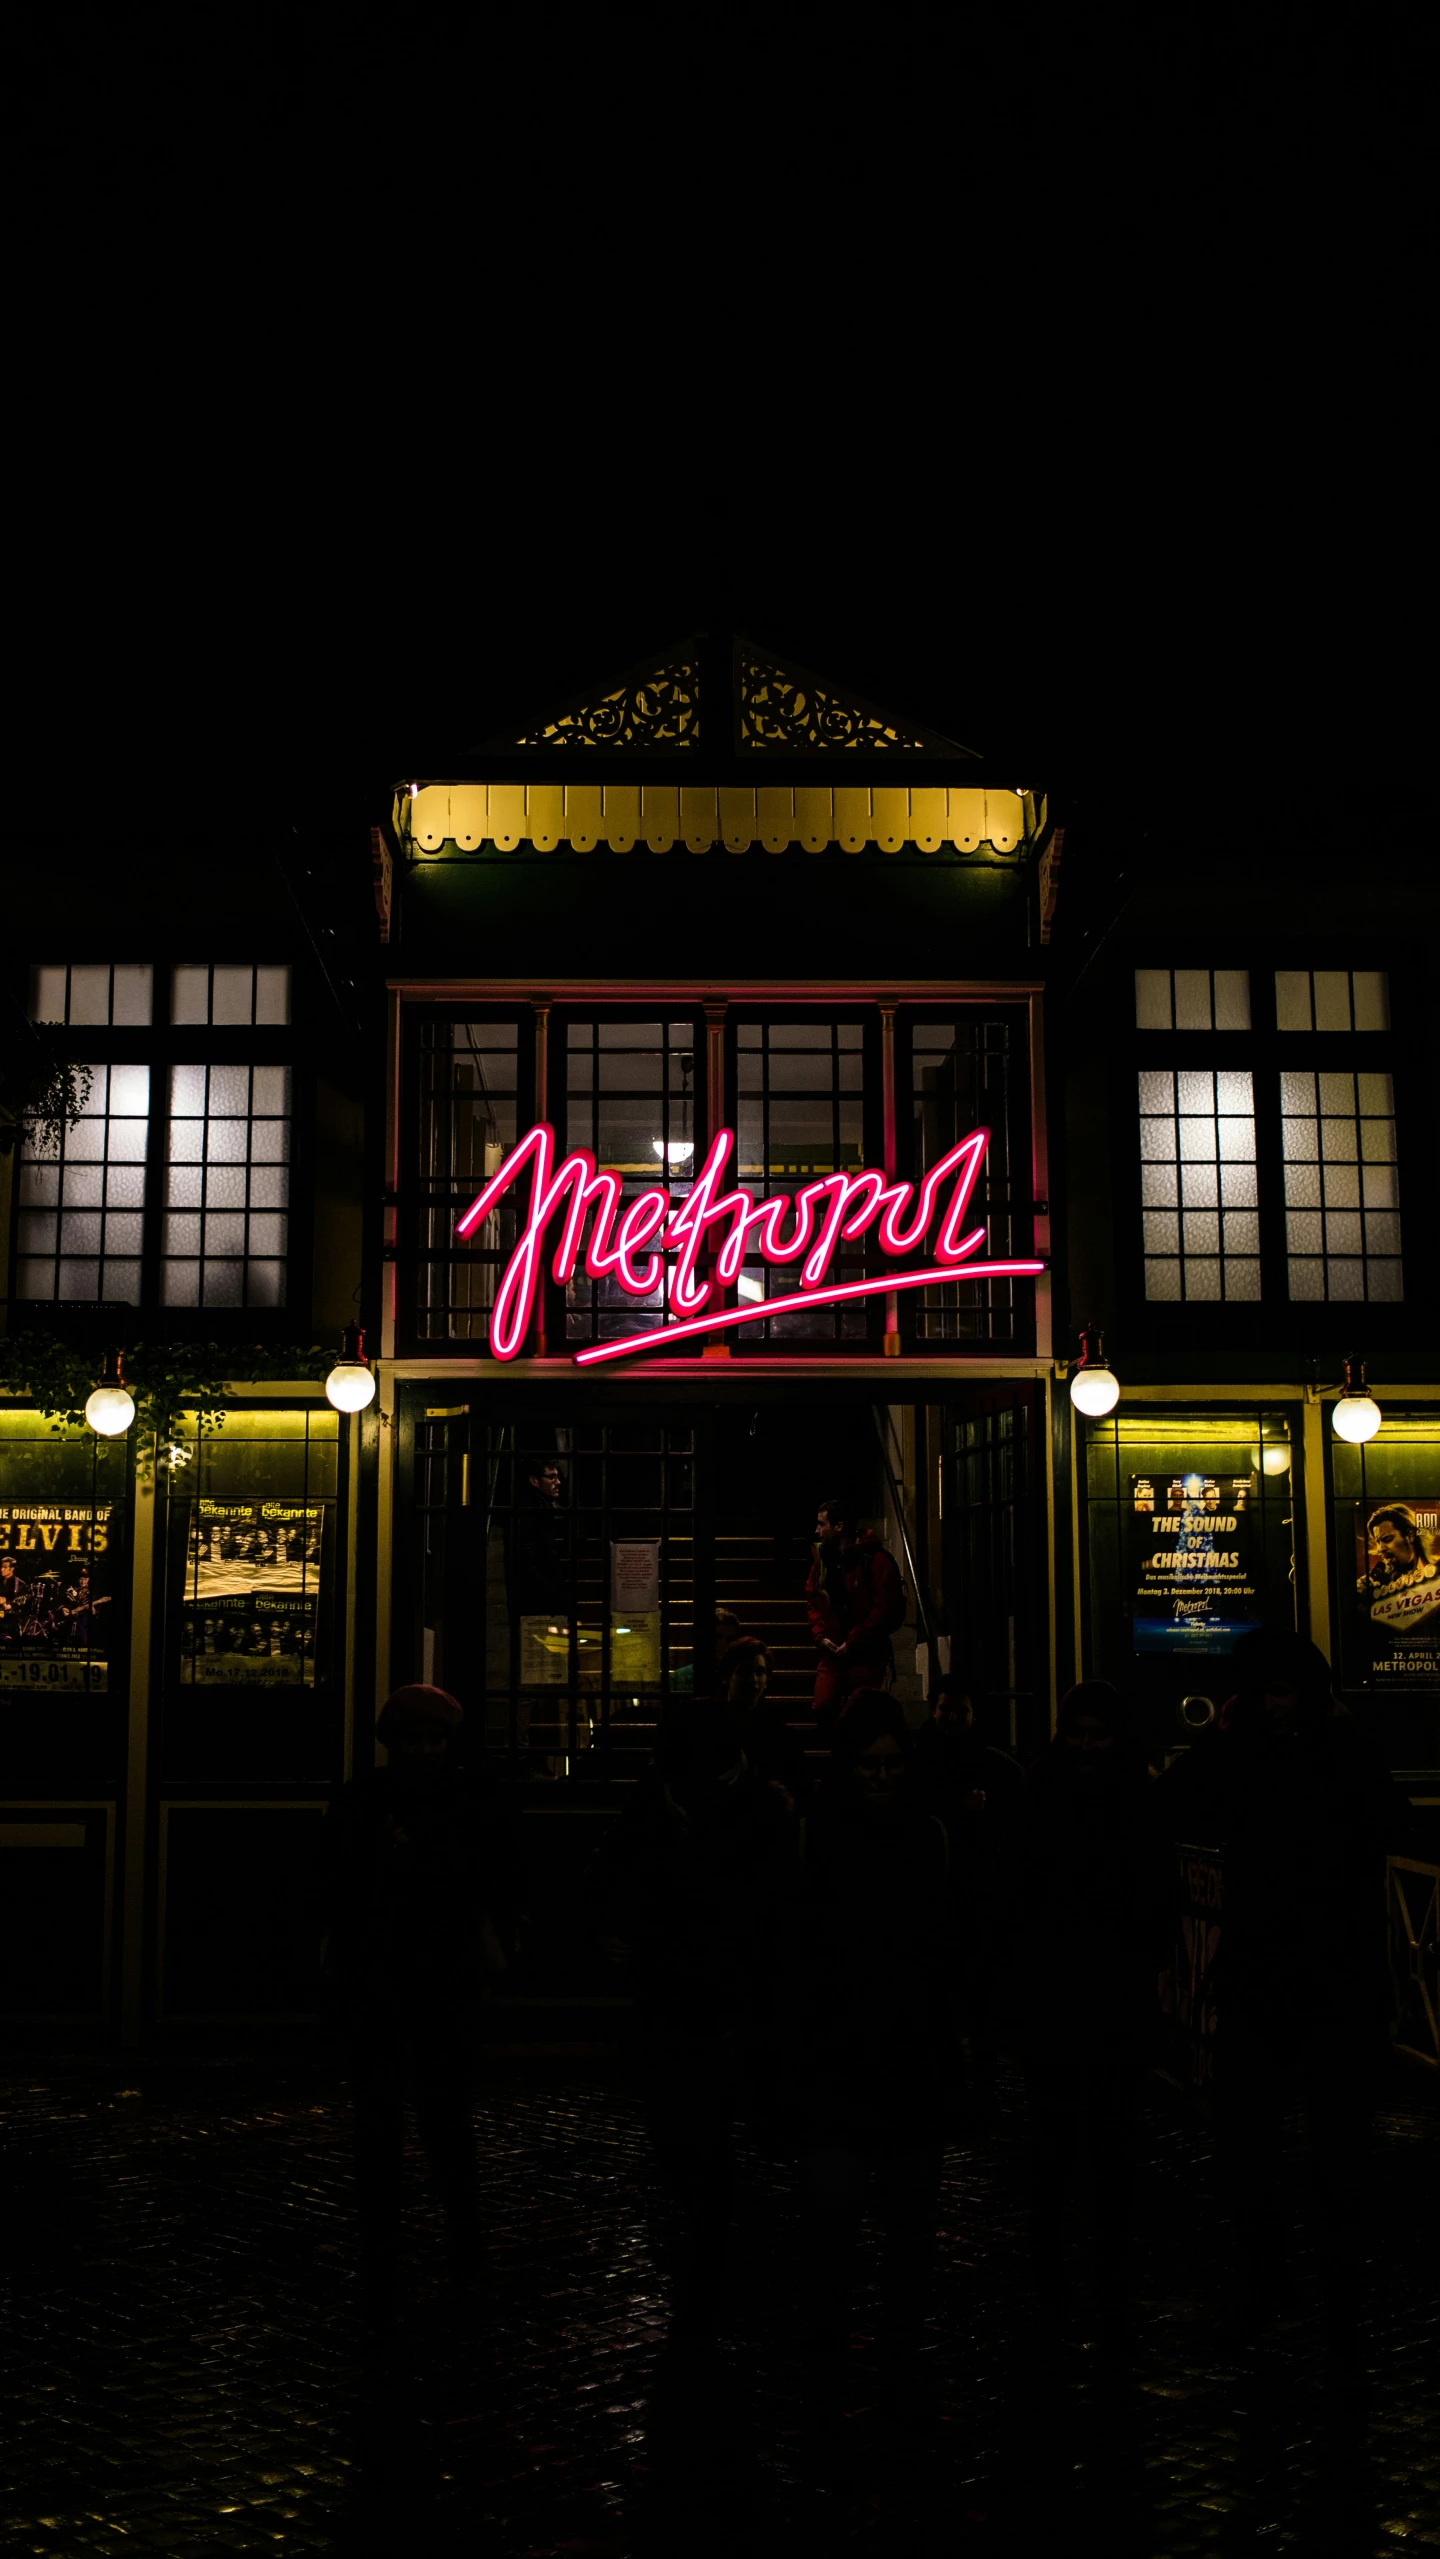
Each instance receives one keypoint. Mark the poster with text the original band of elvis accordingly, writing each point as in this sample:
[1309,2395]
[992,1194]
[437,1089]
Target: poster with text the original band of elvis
[1195,1562]
[252,1593]
[1397,1593]
[55,1567]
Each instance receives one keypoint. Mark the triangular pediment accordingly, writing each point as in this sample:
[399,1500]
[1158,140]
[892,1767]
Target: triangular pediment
[651,709]
[664,705]
[782,709]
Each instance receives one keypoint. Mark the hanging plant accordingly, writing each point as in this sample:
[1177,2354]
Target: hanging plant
[168,1380]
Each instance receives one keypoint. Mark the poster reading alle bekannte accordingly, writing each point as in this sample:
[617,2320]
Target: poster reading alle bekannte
[252,1593]
[1397,1593]
[55,1565]
[1195,1562]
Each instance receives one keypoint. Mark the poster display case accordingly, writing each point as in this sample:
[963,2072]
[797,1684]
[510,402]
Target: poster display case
[1191,1540]
[64,1599]
[1385,1547]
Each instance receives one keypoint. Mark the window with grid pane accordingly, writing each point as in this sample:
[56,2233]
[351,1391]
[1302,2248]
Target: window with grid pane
[629,1098]
[225,996]
[1192,999]
[1342,1189]
[81,1207]
[111,994]
[960,1080]
[1199,1184]
[799,1113]
[227,1187]
[1332,1000]
[469,1100]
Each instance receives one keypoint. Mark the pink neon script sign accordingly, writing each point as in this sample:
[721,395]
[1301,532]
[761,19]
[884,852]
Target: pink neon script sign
[631,1246]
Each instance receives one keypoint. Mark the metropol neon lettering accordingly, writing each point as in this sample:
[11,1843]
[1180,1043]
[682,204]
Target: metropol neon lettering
[807,1226]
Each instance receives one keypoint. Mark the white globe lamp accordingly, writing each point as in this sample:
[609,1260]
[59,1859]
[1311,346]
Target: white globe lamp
[110,1407]
[1357,1416]
[350,1385]
[1094,1388]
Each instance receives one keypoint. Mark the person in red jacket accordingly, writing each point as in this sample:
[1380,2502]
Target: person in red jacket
[855,1599]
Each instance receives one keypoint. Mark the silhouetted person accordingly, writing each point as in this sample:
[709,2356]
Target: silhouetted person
[978,1793]
[1296,1795]
[686,1891]
[419,1894]
[863,2024]
[1092,1904]
[539,1570]
[772,1747]
[854,1599]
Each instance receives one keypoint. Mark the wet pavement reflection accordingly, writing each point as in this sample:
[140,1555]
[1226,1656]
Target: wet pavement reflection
[188,2366]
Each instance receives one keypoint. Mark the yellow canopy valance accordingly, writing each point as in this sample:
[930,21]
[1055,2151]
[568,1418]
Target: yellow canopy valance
[665,815]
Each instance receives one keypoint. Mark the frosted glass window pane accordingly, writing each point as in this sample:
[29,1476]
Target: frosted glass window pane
[1377,1141]
[1162,1231]
[1152,999]
[1200,1185]
[265,1284]
[120,1285]
[1337,1092]
[182,1234]
[225,1141]
[1384,1280]
[187,1092]
[1202,1231]
[1242,1279]
[1337,1140]
[1377,1093]
[1232,999]
[1197,1140]
[131,1000]
[229,1088]
[127,1141]
[1157,1091]
[180,1284]
[1382,1231]
[78,1282]
[1195,1091]
[1192,999]
[267,1235]
[90,995]
[190,1002]
[270,1142]
[224,1233]
[37,1279]
[1159,1185]
[223,1284]
[1303,1230]
[1297,1092]
[1238,1185]
[272,995]
[1242,1231]
[122,1233]
[1332,999]
[1307,1279]
[269,1186]
[1233,1093]
[183,1186]
[47,995]
[1345,1281]
[1292,999]
[225,1186]
[84,1185]
[37,1231]
[1342,1230]
[1370,989]
[130,1089]
[1162,1281]
[1202,1279]
[1342,1185]
[1379,1187]
[232,995]
[270,1089]
[85,1143]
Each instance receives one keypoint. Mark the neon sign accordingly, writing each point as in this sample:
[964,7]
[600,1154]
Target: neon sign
[631,1246]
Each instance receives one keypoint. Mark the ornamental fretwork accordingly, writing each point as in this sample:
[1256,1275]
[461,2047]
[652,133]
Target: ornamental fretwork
[794,713]
[661,709]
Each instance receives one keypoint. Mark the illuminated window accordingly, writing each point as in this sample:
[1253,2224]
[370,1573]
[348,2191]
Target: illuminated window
[230,997]
[799,1113]
[1199,1185]
[1342,1191]
[117,997]
[1192,999]
[960,1078]
[1332,1000]
[629,1098]
[81,1209]
[227,1186]
[469,1074]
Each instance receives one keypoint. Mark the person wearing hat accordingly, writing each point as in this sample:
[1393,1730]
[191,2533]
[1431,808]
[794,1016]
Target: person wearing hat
[419,1892]
[1296,1794]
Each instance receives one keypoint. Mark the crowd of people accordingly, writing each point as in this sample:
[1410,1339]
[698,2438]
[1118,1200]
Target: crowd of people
[828,1937]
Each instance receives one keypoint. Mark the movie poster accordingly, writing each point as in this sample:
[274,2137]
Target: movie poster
[55,1585]
[1397,1593]
[252,1593]
[1195,1562]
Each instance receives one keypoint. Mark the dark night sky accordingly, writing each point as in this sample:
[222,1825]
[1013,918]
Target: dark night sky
[369,401]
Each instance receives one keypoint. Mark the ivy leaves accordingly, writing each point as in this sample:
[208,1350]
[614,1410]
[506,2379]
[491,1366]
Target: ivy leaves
[168,1381]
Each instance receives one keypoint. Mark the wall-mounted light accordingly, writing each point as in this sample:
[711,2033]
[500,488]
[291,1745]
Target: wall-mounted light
[350,1385]
[1357,1416]
[110,1410]
[1094,1388]
[676,1150]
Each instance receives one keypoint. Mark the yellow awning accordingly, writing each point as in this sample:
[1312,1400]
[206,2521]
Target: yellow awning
[665,816]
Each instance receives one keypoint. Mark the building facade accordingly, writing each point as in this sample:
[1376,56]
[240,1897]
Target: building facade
[738,1097]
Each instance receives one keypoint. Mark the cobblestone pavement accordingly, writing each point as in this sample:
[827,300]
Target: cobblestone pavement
[188,2371]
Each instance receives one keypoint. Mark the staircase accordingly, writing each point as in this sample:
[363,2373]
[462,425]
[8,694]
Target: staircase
[769,1600]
